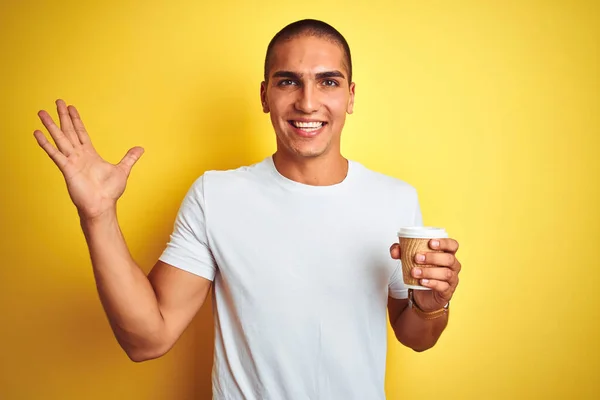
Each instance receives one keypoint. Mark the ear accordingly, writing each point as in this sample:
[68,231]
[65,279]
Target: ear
[263,97]
[350,107]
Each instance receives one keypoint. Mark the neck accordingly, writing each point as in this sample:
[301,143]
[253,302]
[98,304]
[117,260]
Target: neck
[317,171]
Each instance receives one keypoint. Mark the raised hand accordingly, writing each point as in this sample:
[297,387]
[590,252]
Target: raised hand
[94,184]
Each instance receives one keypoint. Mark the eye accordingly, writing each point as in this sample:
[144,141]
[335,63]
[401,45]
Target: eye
[287,82]
[330,82]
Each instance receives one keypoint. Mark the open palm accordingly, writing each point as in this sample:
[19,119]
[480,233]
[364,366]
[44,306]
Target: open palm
[93,183]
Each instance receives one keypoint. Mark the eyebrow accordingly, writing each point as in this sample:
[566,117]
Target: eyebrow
[320,75]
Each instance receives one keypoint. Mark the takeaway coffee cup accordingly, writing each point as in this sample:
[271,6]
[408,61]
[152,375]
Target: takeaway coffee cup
[413,240]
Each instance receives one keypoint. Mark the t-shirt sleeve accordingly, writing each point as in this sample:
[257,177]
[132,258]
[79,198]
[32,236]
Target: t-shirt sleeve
[188,247]
[397,290]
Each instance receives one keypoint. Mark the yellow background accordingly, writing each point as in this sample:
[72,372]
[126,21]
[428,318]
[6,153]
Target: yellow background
[491,109]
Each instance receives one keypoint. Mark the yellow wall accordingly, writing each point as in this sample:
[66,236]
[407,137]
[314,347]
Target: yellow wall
[489,108]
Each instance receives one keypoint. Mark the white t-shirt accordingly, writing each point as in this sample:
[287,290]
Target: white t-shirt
[301,278]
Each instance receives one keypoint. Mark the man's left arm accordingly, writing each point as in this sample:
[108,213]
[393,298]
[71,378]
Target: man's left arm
[420,325]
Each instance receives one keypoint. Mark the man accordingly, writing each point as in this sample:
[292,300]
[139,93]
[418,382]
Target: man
[296,245]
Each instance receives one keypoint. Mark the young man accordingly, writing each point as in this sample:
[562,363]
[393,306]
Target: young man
[296,245]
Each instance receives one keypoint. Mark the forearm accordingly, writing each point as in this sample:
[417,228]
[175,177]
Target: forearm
[125,292]
[416,332]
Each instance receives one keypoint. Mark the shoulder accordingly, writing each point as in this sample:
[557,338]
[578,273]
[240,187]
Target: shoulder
[381,182]
[230,180]
[385,195]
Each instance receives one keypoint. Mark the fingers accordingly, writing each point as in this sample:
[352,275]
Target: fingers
[439,286]
[448,245]
[132,156]
[59,159]
[440,279]
[440,269]
[439,259]
[62,142]
[82,134]
[439,274]
[65,123]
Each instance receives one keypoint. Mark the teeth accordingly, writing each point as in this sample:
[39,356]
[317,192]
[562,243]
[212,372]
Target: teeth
[311,124]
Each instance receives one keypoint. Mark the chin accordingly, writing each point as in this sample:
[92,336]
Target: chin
[309,151]
[308,148]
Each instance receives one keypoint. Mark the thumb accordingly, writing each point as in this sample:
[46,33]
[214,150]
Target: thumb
[395,251]
[132,156]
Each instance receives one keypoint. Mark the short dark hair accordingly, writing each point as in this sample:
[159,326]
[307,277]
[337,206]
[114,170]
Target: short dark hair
[309,27]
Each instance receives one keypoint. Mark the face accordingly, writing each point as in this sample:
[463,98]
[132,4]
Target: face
[308,96]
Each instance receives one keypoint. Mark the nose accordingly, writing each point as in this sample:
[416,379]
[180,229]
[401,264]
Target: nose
[308,100]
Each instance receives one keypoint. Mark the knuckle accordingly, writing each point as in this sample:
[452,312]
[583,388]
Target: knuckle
[449,274]
[450,259]
[431,259]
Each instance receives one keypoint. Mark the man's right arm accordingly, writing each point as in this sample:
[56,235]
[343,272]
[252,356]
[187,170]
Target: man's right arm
[147,314]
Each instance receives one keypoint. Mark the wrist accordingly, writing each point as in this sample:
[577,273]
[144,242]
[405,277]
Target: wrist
[102,219]
[427,314]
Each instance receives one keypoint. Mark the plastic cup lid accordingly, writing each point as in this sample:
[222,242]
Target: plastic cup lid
[422,232]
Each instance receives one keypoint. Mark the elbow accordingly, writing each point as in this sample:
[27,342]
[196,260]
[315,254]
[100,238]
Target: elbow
[140,354]
[417,345]
[137,357]
[420,349]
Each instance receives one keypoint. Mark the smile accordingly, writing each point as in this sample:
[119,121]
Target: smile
[307,128]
